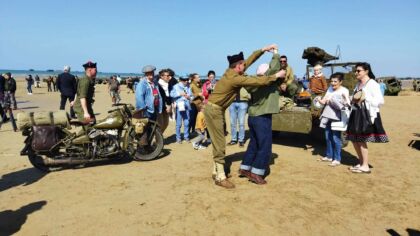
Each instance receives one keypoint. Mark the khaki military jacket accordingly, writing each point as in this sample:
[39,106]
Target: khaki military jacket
[85,89]
[231,82]
[196,90]
[290,76]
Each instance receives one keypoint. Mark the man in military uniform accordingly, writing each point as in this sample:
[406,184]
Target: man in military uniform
[220,99]
[84,96]
[290,77]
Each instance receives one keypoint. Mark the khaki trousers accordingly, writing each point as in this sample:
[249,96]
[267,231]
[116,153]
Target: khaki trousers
[213,115]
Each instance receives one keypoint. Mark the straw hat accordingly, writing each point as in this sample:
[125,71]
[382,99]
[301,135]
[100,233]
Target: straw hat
[359,96]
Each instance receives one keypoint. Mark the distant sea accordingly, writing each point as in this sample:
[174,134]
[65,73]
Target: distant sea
[43,73]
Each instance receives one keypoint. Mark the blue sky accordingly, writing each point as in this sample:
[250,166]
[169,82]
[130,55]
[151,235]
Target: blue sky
[195,36]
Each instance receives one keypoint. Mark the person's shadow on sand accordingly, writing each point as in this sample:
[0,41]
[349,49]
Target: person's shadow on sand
[170,139]
[411,232]
[306,141]
[21,177]
[11,221]
[415,143]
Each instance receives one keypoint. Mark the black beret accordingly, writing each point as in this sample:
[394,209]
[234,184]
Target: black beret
[235,58]
[89,64]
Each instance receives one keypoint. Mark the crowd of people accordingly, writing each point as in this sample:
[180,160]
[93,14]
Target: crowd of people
[259,97]
[198,108]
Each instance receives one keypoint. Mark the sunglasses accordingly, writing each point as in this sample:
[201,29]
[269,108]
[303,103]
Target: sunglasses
[358,71]
[283,61]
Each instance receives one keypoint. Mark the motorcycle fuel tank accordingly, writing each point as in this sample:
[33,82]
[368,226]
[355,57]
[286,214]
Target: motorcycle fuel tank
[114,120]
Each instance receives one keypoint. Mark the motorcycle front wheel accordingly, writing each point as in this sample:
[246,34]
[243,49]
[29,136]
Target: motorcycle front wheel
[147,152]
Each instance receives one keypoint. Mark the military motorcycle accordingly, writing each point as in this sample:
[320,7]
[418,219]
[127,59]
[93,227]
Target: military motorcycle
[123,133]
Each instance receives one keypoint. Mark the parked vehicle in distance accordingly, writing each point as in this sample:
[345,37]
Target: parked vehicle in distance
[416,85]
[393,86]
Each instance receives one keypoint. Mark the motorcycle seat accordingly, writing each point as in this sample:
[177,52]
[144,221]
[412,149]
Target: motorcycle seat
[78,123]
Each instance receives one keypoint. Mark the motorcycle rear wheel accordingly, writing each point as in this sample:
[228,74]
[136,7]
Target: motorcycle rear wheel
[149,152]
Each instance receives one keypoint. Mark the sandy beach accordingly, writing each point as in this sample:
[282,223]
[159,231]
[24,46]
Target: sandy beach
[175,195]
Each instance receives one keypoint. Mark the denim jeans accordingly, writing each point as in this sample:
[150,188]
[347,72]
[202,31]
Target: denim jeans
[200,137]
[333,139]
[10,98]
[237,113]
[29,88]
[193,117]
[2,111]
[258,153]
[182,117]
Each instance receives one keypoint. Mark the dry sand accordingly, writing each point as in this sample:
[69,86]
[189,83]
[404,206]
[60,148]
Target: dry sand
[175,195]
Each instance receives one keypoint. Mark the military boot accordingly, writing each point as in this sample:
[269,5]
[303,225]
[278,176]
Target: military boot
[214,173]
[221,179]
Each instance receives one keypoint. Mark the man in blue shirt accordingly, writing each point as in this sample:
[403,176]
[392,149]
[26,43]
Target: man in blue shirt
[181,94]
[147,94]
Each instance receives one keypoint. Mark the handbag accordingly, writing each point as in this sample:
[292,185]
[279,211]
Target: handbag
[359,119]
[181,105]
[344,120]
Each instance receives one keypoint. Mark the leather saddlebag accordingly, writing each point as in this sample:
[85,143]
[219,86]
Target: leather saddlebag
[139,114]
[44,137]
[139,121]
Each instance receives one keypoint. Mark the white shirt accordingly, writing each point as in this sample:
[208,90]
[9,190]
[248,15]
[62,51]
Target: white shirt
[340,95]
[165,86]
[373,97]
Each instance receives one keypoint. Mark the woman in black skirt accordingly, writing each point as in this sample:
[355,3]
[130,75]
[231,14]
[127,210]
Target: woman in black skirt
[365,123]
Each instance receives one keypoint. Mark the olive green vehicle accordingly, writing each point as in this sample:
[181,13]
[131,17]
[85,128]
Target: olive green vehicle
[416,85]
[305,119]
[393,86]
[123,133]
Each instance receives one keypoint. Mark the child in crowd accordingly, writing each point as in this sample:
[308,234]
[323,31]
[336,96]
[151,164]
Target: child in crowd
[200,129]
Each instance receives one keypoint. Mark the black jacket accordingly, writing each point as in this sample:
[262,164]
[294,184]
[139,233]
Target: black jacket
[166,99]
[10,85]
[67,84]
[2,81]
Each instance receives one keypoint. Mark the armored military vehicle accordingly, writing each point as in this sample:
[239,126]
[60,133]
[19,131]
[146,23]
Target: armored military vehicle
[393,86]
[305,119]
[416,85]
